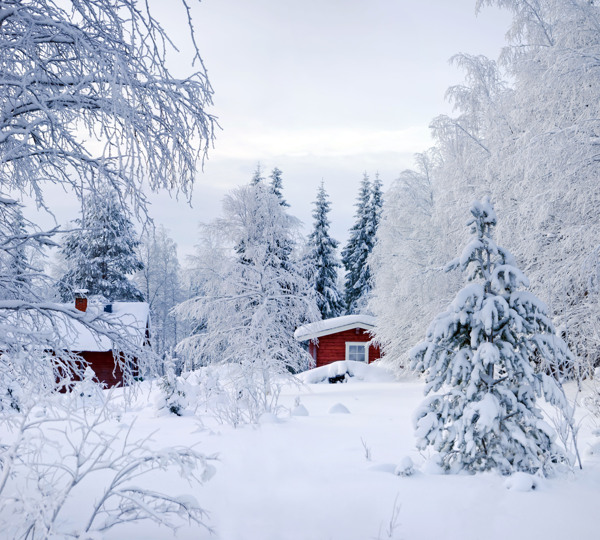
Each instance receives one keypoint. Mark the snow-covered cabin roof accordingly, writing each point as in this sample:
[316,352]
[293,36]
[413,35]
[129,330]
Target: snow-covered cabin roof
[333,326]
[133,316]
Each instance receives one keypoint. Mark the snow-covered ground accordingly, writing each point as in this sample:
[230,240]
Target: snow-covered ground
[329,474]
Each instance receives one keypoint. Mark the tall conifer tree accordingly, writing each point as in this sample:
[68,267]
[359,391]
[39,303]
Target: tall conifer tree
[257,178]
[477,357]
[102,252]
[277,185]
[324,260]
[376,205]
[356,253]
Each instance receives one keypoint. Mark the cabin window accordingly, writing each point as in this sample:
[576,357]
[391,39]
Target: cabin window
[358,352]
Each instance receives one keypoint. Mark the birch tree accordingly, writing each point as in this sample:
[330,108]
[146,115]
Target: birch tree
[86,95]
[251,305]
[525,131]
[160,282]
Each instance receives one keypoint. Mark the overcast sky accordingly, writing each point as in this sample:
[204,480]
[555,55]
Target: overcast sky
[322,89]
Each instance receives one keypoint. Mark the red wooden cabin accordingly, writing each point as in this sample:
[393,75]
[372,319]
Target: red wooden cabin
[341,338]
[96,350]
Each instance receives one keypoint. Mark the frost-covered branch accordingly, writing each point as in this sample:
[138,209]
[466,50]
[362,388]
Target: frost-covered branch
[61,453]
[85,93]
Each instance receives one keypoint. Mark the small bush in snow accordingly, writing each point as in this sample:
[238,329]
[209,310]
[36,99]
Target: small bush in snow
[299,409]
[173,391]
[405,467]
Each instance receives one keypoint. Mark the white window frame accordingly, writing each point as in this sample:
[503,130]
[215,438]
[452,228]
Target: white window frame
[364,344]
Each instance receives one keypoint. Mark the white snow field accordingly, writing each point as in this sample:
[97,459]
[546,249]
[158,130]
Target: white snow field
[332,476]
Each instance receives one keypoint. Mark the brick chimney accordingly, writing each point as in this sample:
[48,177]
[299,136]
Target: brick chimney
[81,299]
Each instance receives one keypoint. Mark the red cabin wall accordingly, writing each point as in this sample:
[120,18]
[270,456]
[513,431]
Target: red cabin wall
[103,364]
[332,348]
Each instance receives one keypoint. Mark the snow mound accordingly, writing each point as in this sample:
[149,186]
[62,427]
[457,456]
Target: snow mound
[347,371]
[521,481]
[405,468]
[433,465]
[339,408]
[268,418]
[593,449]
[300,410]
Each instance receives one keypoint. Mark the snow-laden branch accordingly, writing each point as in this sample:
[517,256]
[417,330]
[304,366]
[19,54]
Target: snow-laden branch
[88,87]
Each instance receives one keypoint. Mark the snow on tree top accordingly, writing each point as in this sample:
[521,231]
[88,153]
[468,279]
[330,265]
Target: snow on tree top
[334,325]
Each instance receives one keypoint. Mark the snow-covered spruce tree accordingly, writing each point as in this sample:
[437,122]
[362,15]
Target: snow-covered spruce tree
[250,306]
[173,396]
[257,177]
[102,252]
[277,185]
[323,259]
[481,353]
[16,274]
[356,253]
[376,206]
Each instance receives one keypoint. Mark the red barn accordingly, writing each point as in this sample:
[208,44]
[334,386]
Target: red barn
[97,350]
[341,338]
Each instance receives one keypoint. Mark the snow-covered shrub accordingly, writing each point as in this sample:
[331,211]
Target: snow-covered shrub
[174,391]
[478,357]
[347,371]
[60,454]
[88,391]
[406,467]
[299,410]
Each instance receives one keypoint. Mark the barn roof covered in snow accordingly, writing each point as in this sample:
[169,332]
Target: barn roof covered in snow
[333,326]
[132,319]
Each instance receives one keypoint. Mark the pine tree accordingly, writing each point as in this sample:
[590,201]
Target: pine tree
[480,352]
[102,252]
[277,185]
[323,259]
[16,274]
[257,178]
[356,253]
[376,206]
